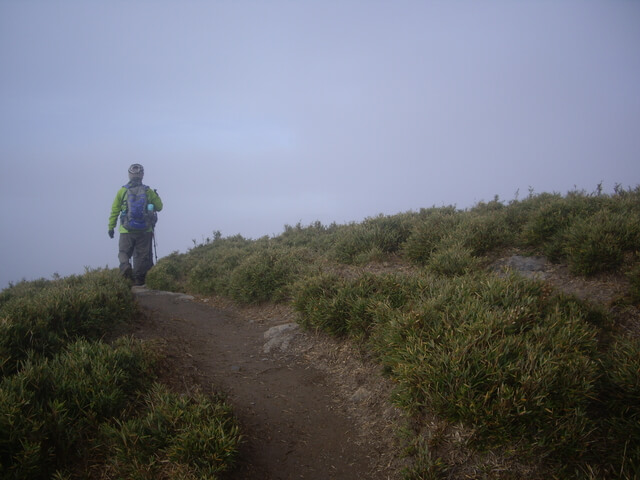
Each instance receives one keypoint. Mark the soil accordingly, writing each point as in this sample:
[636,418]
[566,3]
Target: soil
[310,406]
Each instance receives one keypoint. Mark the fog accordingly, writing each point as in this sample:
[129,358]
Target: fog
[251,115]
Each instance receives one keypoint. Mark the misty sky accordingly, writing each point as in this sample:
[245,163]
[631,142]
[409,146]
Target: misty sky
[250,115]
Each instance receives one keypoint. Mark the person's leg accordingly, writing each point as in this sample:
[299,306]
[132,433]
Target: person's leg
[141,257]
[125,247]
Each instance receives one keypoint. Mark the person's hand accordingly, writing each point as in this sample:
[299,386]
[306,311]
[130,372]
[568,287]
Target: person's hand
[111,233]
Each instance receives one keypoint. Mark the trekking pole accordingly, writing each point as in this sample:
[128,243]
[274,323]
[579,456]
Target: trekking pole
[155,247]
[154,218]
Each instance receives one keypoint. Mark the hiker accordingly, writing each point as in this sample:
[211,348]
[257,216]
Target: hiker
[136,205]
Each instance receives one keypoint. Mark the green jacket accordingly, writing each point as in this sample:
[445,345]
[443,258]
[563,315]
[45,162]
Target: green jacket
[120,202]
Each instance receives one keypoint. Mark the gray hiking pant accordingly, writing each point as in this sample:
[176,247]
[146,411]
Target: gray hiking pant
[138,246]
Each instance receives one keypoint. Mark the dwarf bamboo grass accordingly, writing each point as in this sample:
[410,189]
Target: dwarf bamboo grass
[525,368]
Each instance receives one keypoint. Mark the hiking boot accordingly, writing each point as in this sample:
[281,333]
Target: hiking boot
[128,273]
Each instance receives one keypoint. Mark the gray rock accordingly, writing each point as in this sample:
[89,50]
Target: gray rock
[360,395]
[531,267]
[280,336]
[142,290]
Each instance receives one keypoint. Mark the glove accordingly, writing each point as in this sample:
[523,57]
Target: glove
[111,233]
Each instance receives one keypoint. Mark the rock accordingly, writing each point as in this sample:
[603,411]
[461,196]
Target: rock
[360,395]
[280,336]
[530,267]
[142,290]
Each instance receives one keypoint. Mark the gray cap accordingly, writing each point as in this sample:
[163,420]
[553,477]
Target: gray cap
[136,171]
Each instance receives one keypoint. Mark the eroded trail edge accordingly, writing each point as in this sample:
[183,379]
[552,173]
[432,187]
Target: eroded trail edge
[308,407]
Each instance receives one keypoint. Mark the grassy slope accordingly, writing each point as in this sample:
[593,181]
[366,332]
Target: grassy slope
[73,406]
[527,371]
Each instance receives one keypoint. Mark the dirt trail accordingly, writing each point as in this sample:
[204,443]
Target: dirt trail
[309,406]
[308,409]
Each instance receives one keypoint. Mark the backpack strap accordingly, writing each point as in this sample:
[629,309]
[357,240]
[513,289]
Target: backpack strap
[123,203]
[124,197]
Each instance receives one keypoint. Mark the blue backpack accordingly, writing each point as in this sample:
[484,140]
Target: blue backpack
[135,215]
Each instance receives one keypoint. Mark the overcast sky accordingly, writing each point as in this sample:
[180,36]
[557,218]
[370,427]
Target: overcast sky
[249,115]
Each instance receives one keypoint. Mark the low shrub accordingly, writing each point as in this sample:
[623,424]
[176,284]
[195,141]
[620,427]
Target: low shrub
[598,243]
[266,275]
[633,274]
[479,230]
[521,366]
[212,273]
[51,409]
[620,418]
[433,226]
[169,273]
[23,289]
[316,237]
[384,234]
[551,215]
[196,436]
[39,320]
[348,306]
[205,269]
[314,298]
[452,258]
[545,215]
[62,392]
[593,244]
[483,233]
[539,374]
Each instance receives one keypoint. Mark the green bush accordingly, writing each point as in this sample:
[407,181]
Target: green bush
[544,215]
[23,289]
[454,238]
[348,306]
[484,233]
[538,374]
[452,258]
[317,237]
[598,243]
[553,215]
[41,319]
[61,390]
[633,274]
[212,273]
[619,409]
[384,234]
[51,409]
[196,436]
[265,275]
[169,273]
[433,226]
[519,365]
[498,355]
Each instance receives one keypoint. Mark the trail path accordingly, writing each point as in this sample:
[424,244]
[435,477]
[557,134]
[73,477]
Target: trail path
[308,408]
